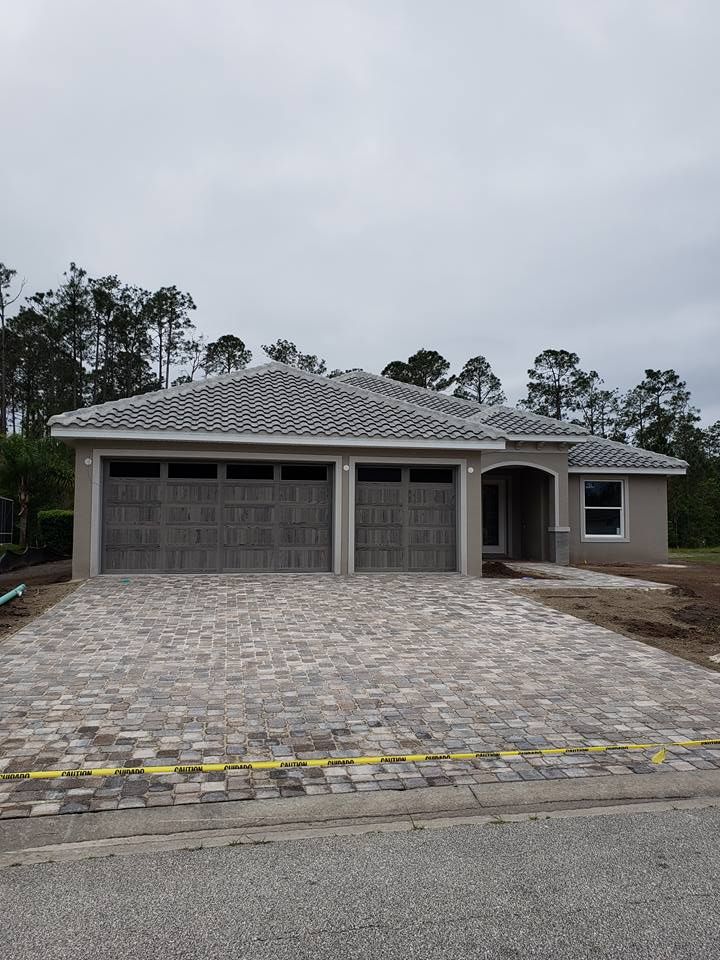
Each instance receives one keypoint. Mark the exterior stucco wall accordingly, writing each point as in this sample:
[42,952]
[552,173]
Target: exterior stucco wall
[88,481]
[645,518]
[82,508]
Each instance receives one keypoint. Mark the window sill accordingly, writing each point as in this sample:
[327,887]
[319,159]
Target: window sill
[585,538]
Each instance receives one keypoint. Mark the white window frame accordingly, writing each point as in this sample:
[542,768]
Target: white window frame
[621,537]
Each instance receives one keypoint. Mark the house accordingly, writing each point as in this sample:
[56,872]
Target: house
[275,469]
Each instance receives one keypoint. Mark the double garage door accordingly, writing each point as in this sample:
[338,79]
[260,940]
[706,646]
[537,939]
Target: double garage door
[233,517]
[212,517]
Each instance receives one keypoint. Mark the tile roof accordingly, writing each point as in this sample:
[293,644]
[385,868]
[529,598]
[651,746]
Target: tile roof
[507,419]
[275,400]
[587,451]
[597,453]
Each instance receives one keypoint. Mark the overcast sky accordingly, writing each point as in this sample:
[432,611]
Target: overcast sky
[367,178]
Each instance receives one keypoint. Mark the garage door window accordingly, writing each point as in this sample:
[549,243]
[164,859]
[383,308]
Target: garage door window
[430,475]
[304,471]
[379,474]
[134,468]
[250,471]
[604,509]
[192,471]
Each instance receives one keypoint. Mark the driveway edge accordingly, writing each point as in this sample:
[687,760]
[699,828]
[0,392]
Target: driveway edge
[83,836]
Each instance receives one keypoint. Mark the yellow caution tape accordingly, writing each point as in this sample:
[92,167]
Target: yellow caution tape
[189,768]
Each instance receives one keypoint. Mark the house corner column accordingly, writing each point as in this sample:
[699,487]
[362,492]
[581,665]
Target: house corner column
[560,531]
[473,524]
[347,515]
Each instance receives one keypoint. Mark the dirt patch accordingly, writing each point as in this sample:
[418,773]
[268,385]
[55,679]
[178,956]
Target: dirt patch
[46,584]
[497,570]
[59,571]
[680,621]
[696,579]
[23,610]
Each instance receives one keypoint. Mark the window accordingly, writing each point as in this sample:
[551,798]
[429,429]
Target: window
[431,475]
[303,471]
[604,509]
[380,474]
[135,468]
[250,471]
[192,471]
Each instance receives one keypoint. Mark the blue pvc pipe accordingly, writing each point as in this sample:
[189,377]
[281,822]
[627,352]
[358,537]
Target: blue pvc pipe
[17,592]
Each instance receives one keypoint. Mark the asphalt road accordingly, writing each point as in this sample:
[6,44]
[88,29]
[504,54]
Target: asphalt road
[628,886]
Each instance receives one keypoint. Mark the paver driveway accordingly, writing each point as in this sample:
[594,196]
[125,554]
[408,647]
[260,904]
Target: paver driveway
[179,669]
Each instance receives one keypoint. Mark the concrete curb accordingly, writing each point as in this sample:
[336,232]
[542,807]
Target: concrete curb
[45,839]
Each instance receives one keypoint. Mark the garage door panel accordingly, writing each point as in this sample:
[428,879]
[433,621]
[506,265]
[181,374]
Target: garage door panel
[311,516]
[304,559]
[432,537]
[303,493]
[133,491]
[379,560]
[244,560]
[191,513]
[243,515]
[133,513]
[243,493]
[191,536]
[304,537]
[248,536]
[190,560]
[375,493]
[378,537]
[191,492]
[431,560]
[427,517]
[130,536]
[128,559]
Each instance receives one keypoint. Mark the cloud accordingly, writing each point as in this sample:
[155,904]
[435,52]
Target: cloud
[369,178]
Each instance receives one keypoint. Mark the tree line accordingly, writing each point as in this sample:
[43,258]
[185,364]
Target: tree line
[97,339]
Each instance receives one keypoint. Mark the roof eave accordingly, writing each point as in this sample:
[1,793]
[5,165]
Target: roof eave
[649,471]
[74,432]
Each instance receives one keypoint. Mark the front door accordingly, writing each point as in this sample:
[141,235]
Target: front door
[494,515]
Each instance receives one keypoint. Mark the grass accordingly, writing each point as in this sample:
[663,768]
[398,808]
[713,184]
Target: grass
[697,555]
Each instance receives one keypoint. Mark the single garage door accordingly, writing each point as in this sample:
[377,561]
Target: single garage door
[214,517]
[405,518]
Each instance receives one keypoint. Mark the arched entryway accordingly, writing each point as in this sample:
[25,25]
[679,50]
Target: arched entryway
[519,511]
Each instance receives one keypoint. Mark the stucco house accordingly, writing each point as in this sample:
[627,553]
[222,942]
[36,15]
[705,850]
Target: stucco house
[274,469]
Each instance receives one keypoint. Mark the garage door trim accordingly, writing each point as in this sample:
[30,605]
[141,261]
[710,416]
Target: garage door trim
[461,507]
[95,464]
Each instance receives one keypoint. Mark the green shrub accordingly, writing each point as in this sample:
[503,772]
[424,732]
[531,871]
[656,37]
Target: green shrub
[56,530]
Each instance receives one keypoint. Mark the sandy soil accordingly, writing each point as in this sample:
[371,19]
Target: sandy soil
[684,621]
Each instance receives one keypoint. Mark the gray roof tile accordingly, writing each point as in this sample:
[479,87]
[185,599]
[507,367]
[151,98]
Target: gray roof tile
[587,451]
[507,419]
[597,453]
[278,400]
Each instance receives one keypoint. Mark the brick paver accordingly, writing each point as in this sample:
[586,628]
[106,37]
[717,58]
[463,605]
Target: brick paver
[146,670]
